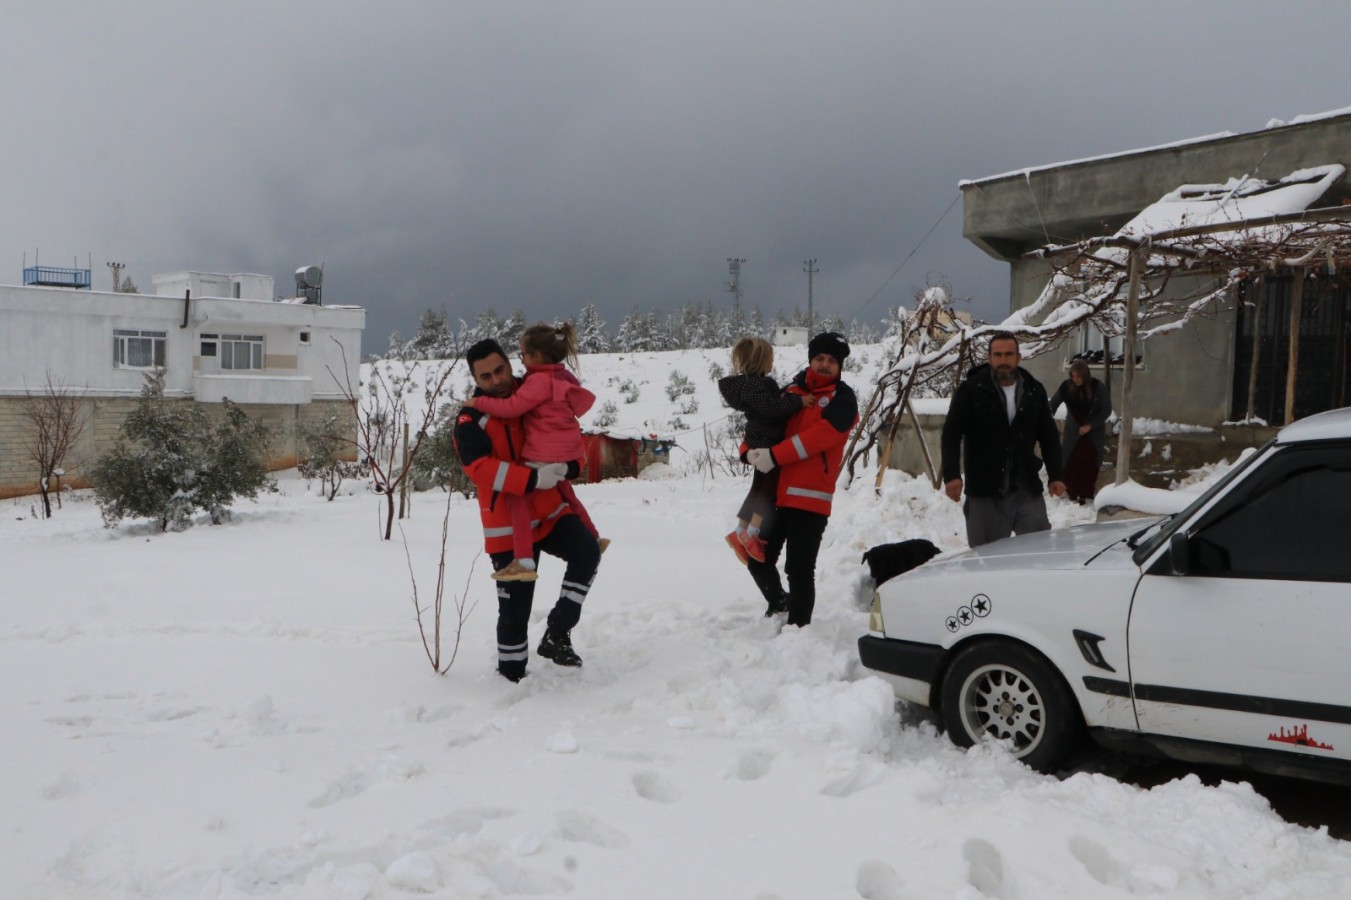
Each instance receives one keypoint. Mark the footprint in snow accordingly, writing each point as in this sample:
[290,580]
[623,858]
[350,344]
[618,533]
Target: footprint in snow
[651,786]
[878,881]
[986,869]
[753,765]
[580,828]
[513,879]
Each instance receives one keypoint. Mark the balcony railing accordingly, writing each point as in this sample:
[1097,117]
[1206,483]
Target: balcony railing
[50,276]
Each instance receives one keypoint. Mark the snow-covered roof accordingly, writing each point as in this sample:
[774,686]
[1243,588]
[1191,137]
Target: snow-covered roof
[1221,135]
[1237,200]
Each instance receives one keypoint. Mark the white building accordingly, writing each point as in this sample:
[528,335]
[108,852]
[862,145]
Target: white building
[215,336]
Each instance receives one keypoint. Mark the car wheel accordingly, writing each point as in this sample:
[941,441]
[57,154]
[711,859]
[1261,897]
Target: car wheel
[1005,691]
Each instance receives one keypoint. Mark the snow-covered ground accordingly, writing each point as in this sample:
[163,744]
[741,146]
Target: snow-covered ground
[247,711]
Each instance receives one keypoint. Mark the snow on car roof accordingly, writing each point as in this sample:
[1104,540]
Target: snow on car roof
[1335,423]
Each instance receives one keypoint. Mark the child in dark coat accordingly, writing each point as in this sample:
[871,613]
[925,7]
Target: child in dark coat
[750,390]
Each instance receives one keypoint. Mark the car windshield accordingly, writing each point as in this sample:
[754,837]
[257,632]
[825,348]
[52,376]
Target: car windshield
[1169,525]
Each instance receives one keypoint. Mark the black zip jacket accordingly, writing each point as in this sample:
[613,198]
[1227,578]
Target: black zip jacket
[1000,456]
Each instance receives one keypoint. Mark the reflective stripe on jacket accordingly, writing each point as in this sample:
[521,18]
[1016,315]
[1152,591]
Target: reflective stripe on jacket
[490,451]
[810,455]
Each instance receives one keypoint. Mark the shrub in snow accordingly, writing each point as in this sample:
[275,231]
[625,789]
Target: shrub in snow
[172,458]
[629,391]
[608,415]
[438,463]
[678,386]
[715,371]
[689,407]
[324,447]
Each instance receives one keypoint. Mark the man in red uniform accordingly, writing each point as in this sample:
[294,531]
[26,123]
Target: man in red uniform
[809,458]
[490,451]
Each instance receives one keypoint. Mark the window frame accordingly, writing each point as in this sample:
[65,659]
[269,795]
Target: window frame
[158,348]
[252,345]
[1278,470]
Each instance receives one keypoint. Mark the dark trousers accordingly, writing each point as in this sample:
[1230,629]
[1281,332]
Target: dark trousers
[760,498]
[800,532]
[995,518]
[571,542]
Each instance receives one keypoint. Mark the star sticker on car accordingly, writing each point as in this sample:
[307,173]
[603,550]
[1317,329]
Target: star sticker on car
[981,605]
[964,615]
[952,624]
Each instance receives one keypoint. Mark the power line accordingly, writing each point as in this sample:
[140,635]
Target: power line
[909,255]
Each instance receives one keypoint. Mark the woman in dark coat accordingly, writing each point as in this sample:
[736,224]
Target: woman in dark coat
[1088,405]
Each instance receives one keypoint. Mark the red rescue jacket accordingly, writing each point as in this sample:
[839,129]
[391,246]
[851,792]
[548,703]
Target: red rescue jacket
[810,454]
[490,451]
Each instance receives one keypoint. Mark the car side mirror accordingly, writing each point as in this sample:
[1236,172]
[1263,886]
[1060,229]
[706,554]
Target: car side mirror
[1179,553]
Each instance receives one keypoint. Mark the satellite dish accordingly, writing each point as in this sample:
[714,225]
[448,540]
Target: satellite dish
[309,277]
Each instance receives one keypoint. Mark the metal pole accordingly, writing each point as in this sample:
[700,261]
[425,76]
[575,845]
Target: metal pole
[1296,311]
[809,267]
[1123,447]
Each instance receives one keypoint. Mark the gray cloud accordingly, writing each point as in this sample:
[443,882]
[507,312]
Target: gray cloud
[545,155]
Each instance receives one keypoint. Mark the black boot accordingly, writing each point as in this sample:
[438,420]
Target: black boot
[557,646]
[777,606]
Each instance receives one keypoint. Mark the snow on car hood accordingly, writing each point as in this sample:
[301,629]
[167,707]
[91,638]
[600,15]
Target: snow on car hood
[1063,548]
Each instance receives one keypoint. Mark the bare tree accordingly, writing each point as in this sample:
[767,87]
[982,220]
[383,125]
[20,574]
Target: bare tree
[381,413]
[55,424]
[431,644]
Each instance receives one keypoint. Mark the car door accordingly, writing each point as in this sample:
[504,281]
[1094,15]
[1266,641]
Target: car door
[1250,645]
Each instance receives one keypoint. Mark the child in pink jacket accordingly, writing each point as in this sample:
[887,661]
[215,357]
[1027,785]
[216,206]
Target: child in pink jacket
[549,399]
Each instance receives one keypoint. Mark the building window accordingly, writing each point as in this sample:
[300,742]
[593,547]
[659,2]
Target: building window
[1094,347]
[241,351]
[209,346]
[138,349]
[304,338]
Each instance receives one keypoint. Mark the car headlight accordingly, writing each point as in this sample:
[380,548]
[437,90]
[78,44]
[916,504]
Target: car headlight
[875,615]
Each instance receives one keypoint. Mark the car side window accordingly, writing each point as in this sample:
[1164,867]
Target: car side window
[1289,525]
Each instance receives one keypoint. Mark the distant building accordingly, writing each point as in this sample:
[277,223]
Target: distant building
[216,337]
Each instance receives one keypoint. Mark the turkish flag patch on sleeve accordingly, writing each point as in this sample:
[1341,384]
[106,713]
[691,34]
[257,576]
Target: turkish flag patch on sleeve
[465,418]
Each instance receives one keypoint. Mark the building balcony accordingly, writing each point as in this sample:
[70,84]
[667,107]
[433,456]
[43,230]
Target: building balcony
[253,389]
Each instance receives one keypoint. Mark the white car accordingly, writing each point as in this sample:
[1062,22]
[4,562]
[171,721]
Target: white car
[1220,634]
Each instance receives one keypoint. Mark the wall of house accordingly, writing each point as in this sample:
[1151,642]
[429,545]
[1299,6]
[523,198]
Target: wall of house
[312,359]
[1186,376]
[1183,376]
[69,335]
[1009,215]
[103,416]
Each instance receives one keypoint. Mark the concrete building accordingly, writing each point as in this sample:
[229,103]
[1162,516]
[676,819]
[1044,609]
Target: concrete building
[1199,374]
[287,363]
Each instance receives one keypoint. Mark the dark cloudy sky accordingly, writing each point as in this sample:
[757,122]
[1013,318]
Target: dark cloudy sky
[545,155]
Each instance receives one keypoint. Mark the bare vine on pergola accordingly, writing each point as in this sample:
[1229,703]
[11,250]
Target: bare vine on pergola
[1124,287]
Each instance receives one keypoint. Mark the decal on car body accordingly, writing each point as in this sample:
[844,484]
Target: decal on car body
[1298,736]
[980,608]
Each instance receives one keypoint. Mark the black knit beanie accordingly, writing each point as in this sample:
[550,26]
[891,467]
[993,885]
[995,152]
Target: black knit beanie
[831,342]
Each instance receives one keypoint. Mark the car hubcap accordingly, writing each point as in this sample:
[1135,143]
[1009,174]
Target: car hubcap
[1002,703]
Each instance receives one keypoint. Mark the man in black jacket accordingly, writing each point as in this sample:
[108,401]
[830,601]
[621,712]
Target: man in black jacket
[1000,412]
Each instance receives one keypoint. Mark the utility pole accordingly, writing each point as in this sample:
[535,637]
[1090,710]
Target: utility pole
[734,285]
[117,268]
[810,268]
